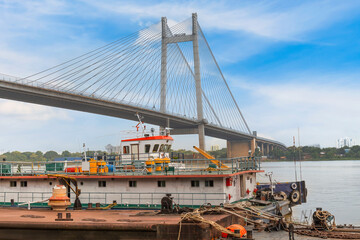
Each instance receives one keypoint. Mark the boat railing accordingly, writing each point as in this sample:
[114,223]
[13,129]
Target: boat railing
[123,199]
[161,166]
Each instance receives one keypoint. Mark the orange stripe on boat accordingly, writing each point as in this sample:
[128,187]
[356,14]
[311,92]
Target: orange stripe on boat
[148,138]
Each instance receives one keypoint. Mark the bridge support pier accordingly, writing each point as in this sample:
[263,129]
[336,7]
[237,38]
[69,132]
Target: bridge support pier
[241,148]
[201,132]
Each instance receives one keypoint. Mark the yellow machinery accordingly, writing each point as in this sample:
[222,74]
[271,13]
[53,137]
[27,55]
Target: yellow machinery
[101,166]
[161,163]
[97,166]
[211,158]
[66,181]
[150,165]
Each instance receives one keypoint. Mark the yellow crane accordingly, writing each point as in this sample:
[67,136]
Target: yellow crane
[211,158]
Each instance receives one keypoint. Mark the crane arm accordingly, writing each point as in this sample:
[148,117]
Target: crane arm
[202,152]
[211,158]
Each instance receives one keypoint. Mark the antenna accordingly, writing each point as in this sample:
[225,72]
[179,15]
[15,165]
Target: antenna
[299,153]
[140,123]
[295,159]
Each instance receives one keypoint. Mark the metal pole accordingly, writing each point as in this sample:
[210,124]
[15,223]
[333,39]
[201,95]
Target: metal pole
[199,105]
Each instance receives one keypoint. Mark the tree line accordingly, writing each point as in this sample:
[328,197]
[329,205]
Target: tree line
[316,153]
[40,156]
[291,153]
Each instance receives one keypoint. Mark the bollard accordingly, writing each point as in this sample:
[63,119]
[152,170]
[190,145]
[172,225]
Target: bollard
[60,217]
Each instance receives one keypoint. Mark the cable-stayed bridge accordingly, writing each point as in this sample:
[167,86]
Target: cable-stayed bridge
[168,74]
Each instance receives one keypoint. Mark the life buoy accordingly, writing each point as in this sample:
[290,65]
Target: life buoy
[293,186]
[295,196]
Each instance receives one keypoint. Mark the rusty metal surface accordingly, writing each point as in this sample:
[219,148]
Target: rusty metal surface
[328,234]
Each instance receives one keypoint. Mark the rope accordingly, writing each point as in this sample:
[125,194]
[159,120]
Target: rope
[196,217]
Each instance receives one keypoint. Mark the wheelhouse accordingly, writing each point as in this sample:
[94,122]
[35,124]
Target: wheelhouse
[141,149]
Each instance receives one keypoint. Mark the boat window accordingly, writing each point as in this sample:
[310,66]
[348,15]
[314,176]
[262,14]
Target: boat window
[147,148]
[195,183]
[168,148]
[161,184]
[132,183]
[12,183]
[23,183]
[209,183]
[126,150]
[102,183]
[161,148]
[156,147]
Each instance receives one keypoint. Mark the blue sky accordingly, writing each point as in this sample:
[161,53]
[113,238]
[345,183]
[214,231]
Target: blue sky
[289,64]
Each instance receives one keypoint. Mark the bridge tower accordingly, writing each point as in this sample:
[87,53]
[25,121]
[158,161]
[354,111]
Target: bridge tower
[166,39]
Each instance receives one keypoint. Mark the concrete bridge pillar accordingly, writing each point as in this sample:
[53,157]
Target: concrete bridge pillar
[240,148]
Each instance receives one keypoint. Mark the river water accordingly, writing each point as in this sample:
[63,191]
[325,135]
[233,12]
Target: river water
[332,185]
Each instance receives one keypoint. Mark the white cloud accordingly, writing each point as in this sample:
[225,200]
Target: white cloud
[323,111]
[30,112]
[274,20]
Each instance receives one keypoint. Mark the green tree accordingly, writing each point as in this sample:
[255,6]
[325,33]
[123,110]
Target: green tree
[15,156]
[222,153]
[66,154]
[27,154]
[39,153]
[50,155]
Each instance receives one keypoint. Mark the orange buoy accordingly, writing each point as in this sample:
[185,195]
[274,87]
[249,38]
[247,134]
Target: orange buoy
[236,228]
[59,201]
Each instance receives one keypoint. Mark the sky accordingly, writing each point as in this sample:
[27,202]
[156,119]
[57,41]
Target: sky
[289,64]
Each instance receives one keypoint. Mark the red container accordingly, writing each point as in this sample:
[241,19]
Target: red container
[72,169]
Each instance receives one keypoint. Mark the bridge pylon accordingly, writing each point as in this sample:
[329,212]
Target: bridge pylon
[177,39]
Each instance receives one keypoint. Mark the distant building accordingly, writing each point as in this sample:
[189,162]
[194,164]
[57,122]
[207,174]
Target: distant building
[314,145]
[112,149]
[345,142]
[215,148]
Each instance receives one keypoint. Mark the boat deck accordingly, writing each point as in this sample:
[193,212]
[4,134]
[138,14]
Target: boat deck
[16,223]
[174,167]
